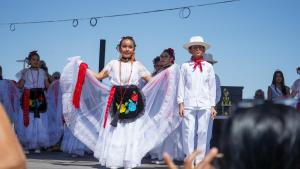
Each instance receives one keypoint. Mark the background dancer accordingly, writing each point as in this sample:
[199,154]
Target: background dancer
[173,143]
[32,128]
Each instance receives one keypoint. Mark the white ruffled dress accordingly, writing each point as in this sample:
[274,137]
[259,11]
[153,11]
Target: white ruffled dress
[35,135]
[126,144]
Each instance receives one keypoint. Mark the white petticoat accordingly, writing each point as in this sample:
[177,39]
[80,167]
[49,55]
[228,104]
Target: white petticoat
[36,135]
[126,144]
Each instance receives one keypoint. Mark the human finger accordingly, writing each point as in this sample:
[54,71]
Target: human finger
[169,161]
[211,155]
[188,162]
[181,113]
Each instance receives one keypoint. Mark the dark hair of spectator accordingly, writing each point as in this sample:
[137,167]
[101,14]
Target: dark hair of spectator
[266,136]
[259,94]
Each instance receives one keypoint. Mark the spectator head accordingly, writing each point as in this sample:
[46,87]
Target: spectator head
[278,80]
[56,75]
[209,58]
[259,94]
[278,77]
[262,137]
[298,70]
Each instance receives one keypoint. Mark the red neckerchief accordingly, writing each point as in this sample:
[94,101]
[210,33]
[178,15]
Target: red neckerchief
[198,62]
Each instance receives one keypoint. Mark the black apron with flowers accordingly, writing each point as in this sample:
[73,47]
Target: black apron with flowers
[37,101]
[127,105]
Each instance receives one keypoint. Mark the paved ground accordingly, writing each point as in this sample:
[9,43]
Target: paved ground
[59,160]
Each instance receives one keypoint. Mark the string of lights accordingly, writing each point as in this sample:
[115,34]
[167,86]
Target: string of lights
[184,12]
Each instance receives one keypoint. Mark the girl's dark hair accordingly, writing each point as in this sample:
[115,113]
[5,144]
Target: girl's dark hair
[171,52]
[266,136]
[43,66]
[156,60]
[30,55]
[282,84]
[124,38]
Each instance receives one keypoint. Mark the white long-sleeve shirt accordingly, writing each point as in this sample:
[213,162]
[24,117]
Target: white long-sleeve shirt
[197,90]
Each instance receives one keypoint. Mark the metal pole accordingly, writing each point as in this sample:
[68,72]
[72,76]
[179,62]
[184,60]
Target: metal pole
[102,54]
[24,61]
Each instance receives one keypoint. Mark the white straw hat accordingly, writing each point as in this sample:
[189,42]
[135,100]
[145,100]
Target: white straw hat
[196,40]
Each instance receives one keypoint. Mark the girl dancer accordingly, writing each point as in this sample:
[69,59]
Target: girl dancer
[123,123]
[32,128]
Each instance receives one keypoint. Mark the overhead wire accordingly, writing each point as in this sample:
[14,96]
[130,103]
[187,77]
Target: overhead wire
[184,12]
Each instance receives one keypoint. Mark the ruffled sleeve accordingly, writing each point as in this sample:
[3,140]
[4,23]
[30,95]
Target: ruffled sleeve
[142,71]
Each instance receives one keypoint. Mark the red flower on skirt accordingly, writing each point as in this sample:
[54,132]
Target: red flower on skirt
[134,97]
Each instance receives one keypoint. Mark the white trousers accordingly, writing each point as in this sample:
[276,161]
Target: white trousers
[194,131]
[209,134]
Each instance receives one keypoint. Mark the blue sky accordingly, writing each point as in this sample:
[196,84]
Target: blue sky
[250,38]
